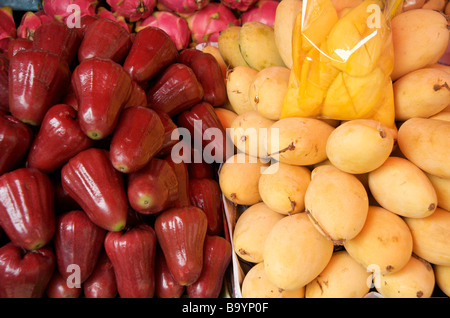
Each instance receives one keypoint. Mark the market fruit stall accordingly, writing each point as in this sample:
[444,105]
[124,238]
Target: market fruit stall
[206,149]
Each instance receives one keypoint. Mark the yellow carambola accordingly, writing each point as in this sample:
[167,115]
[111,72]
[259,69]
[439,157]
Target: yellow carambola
[341,65]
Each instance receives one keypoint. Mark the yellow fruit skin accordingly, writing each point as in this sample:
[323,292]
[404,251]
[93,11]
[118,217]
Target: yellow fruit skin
[285,15]
[426,143]
[266,92]
[421,93]
[256,285]
[284,190]
[360,145]
[228,43]
[401,187]
[431,237]
[342,215]
[415,280]
[238,84]
[249,133]
[420,37]
[257,45]
[251,230]
[442,275]
[295,252]
[300,141]
[343,277]
[442,188]
[234,187]
[384,244]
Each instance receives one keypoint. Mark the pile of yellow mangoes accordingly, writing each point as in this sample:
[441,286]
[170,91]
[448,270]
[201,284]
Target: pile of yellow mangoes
[339,207]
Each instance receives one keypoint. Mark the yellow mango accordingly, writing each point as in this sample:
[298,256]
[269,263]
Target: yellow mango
[295,252]
[343,277]
[238,83]
[284,189]
[319,17]
[426,143]
[385,243]
[401,187]
[249,132]
[256,285]
[342,215]
[228,43]
[237,189]
[298,141]
[355,42]
[442,275]
[420,37]
[415,280]
[283,27]
[360,145]
[251,230]
[442,187]
[431,237]
[421,93]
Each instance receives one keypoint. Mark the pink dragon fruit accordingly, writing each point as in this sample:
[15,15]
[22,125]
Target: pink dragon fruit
[263,11]
[133,10]
[8,29]
[60,10]
[206,24]
[241,5]
[30,22]
[174,25]
[104,13]
[182,7]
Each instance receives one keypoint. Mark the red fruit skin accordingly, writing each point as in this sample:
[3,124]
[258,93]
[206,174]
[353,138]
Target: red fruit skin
[152,51]
[138,96]
[15,140]
[209,74]
[77,241]
[26,207]
[153,188]
[102,282]
[171,135]
[25,274]
[85,22]
[58,288]
[181,171]
[91,180]
[57,38]
[59,138]
[202,122]
[4,82]
[37,80]
[181,233]
[166,286]
[17,45]
[216,258]
[102,89]
[175,90]
[205,194]
[132,254]
[63,202]
[137,138]
[106,39]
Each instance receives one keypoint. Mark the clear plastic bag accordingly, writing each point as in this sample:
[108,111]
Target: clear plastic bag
[342,61]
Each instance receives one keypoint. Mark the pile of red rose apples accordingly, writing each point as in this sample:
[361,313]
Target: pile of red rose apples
[99,195]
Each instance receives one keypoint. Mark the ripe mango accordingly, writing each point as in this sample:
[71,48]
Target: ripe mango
[251,230]
[338,215]
[431,236]
[284,190]
[343,277]
[234,187]
[384,244]
[238,83]
[295,252]
[442,276]
[401,187]
[415,280]
[256,285]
